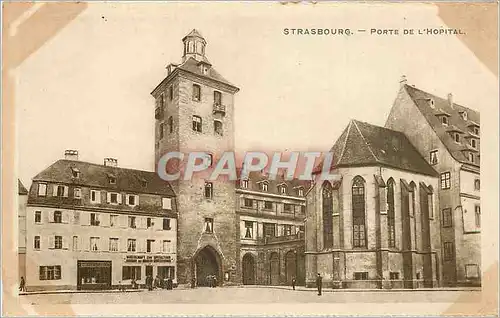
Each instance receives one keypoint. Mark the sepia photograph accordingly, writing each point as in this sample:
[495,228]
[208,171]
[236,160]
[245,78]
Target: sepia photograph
[202,158]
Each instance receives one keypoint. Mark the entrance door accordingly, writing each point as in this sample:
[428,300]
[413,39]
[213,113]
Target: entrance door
[149,271]
[207,263]
[274,269]
[248,269]
[290,266]
[93,274]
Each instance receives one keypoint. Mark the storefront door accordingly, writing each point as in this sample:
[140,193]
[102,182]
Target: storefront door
[93,275]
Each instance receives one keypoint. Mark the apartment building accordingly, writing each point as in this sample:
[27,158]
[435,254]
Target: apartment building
[92,226]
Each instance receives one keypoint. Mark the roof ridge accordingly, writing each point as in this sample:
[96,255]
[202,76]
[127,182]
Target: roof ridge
[364,139]
[101,165]
[345,142]
[443,98]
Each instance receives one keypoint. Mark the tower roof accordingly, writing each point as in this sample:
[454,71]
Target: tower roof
[193,33]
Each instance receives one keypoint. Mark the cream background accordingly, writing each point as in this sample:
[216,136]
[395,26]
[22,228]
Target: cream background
[67,91]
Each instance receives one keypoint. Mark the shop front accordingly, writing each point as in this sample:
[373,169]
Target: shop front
[93,275]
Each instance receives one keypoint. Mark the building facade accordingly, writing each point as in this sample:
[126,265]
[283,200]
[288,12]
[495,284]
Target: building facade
[448,135]
[375,226]
[195,112]
[93,226]
[21,217]
[271,217]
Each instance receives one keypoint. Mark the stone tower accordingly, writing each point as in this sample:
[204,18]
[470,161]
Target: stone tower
[195,112]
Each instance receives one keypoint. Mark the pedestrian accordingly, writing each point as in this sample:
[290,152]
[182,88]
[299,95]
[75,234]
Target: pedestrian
[319,283]
[214,281]
[149,282]
[294,281]
[193,282]
[157,281]
[22,285]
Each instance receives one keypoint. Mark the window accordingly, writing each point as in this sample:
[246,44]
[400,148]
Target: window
[166,224]
[171,93]
[457,137]
[248,203]
[77,193]
[287,208]
[113,220]
[149,223]
[196,92]
[50,272]
[76,217]
[95,196]
[161,130]
[269,229]
[167,203]
[448,251]
[149,246]
[57,217]
[94,244]
[444,120]
[445,180]
[248,229]
[218,128]
[360,275]
[59,191]
[411,194]
[131,272]
[473,143]
[131,222]
[42,189]
[113,198]
[166,246]
[471,157]
[209,225]
[282,189]
[131,245]
[394,275]
[287,230]
[170,124]
[264,186]
[131,200]
[112,179]
[464,115]
[36,243]
[217,98]
[268,205]
[94,219]
[477,215]
[302,209]
[75,173]
[358,212]
[471,271]
[300,192]
[327,211]
[197,123]
[58,242]
[38,216]
[430,201]
[113,244]
[244,184]
[208,190]
[447,218]
[391,214]
[476,130]
[75,243]
[433,157]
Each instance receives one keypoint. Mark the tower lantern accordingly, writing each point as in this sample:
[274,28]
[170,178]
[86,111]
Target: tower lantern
[194,46]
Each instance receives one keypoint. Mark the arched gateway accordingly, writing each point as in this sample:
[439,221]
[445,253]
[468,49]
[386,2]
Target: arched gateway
[207,262]
[248,271]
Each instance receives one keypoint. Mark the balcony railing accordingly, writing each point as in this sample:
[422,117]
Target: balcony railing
[281,239]
[219,108]
[159,113]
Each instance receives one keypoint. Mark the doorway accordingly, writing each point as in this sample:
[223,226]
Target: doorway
[149,271]
[274,270]
[290,266]
[93,275]
[248,269]
[207,263]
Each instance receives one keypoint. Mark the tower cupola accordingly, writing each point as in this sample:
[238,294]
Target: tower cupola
[194,46]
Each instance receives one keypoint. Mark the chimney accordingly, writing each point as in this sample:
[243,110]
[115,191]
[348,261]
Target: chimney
[110,162]
[450,99]
[403,81]
[70,154]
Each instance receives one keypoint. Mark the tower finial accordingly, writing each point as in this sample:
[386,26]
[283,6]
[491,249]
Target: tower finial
[403,81]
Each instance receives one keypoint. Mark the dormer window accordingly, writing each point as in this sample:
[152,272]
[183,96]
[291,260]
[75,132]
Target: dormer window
[75,172]
[473,143]
[457,137]
[264,186]
[111,179]
[464,115]
[282,189]
[471,157]
[476,130]
[431,102]
[244,184]
[444,120]
[300,192]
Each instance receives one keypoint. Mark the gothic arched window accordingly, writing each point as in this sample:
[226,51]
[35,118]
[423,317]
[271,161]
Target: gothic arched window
[327,215]
[358,212]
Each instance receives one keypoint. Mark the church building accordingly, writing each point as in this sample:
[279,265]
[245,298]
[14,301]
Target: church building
[377,226]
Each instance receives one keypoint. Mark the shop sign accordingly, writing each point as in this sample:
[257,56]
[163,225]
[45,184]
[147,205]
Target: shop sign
[148,258]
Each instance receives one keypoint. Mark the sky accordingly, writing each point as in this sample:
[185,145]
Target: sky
[88,88]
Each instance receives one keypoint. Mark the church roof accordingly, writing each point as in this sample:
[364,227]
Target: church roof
[362,144]
[456,121]
[95,175]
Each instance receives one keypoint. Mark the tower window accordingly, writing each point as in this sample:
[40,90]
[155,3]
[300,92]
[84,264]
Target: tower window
[471,157]
[209,225]
[473,143]
[477,184]
[197,123]
[477,213]
[457,137]
[196,92]
[218,130]
[217,98]
[161,131]
[209,190]
[170,124]
[171,92]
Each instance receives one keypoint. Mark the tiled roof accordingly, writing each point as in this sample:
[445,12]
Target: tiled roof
[21,188]
[256,178]
[192,65]
[94,175]
[455,121]
[365,144]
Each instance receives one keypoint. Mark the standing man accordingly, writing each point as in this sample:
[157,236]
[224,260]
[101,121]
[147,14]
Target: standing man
[319,283]
[294,281]
[22,285]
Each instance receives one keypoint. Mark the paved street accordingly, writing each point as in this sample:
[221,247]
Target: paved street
[247,295]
